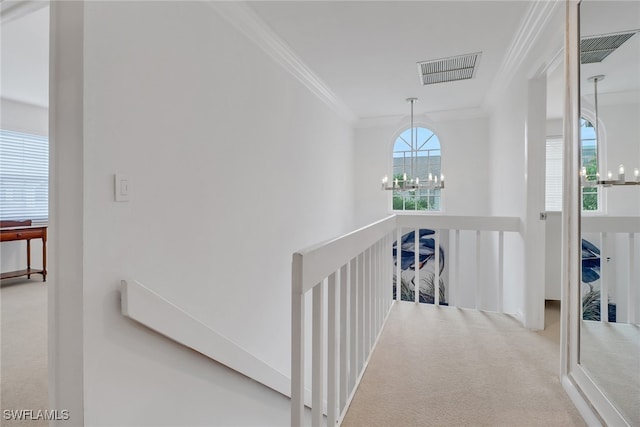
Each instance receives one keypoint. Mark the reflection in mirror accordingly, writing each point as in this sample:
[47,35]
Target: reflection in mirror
[610,223]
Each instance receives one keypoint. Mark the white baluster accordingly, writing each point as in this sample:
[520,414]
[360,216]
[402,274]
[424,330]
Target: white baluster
[633,282]
[478,285]
[353,322]
[604,278]
[436,278]
[500,271]
[416,265]
[317,358]
[297,345]
[398,264]
[376,290]
[457,285]
[362,295]
[332,351]
[344,336]
[367,302]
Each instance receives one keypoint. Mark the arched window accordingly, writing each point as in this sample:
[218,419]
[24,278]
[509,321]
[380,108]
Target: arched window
[589,161]
[553,186]
[419,159]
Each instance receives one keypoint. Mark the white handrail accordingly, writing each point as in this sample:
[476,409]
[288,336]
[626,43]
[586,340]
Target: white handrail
[460,222]
[318,261]
[610,224]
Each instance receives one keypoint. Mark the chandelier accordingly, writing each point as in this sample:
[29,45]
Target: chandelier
[595,180]
[412,183]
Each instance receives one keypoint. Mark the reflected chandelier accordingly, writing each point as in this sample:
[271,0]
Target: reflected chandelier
[595,180]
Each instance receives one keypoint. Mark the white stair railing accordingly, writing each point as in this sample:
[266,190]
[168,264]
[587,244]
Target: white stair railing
[349,281]
[618,237]
[482,232]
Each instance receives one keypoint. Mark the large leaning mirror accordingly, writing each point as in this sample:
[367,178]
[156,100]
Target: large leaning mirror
[609,344]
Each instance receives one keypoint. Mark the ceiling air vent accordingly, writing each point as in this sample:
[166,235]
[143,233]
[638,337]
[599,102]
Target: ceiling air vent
[450,69]
[596,48]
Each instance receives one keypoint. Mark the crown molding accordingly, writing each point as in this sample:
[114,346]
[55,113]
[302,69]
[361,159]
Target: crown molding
[11,10]
[532,27]
[244,19]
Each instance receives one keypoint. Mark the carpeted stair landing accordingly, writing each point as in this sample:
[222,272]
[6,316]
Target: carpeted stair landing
[444,366]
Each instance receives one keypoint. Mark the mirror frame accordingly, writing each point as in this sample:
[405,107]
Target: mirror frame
[591,402]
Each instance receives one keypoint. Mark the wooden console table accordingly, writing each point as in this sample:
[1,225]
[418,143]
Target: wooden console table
[23,230]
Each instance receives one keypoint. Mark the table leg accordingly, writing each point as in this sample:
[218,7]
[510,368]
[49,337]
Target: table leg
[28,257]
[44,257]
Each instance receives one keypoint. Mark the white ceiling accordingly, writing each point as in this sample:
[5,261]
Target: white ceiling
[25,55]
[366,51]
[622,68]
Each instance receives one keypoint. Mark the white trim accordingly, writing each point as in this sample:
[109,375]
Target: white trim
[585,410]
[459,222]
[17,9]
[611,224]
[532,26]
[155,312]
[244,19]
[597,401]
[588,398]
[318,261]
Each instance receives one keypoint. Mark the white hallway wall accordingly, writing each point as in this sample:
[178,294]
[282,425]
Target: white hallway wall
[27,118]
[233,166]
[512,177]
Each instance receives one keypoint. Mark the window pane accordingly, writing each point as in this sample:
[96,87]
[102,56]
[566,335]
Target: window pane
[553,172]
[24,176]
[589,160]
[553,175]
[420,163]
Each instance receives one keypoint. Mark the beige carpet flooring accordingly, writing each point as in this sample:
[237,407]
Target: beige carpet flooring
[443,366]
[432,367]
[23,353]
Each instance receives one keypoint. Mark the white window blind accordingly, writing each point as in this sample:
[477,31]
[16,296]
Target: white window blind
[24,176]
[553,175]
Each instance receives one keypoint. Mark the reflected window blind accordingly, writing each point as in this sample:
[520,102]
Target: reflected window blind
[24,176]
[553,175]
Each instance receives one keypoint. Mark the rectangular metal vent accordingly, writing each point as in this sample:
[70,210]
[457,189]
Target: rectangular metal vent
[450,69]
[597,48]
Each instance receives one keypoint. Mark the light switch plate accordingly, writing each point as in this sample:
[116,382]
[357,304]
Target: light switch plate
[121,187]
